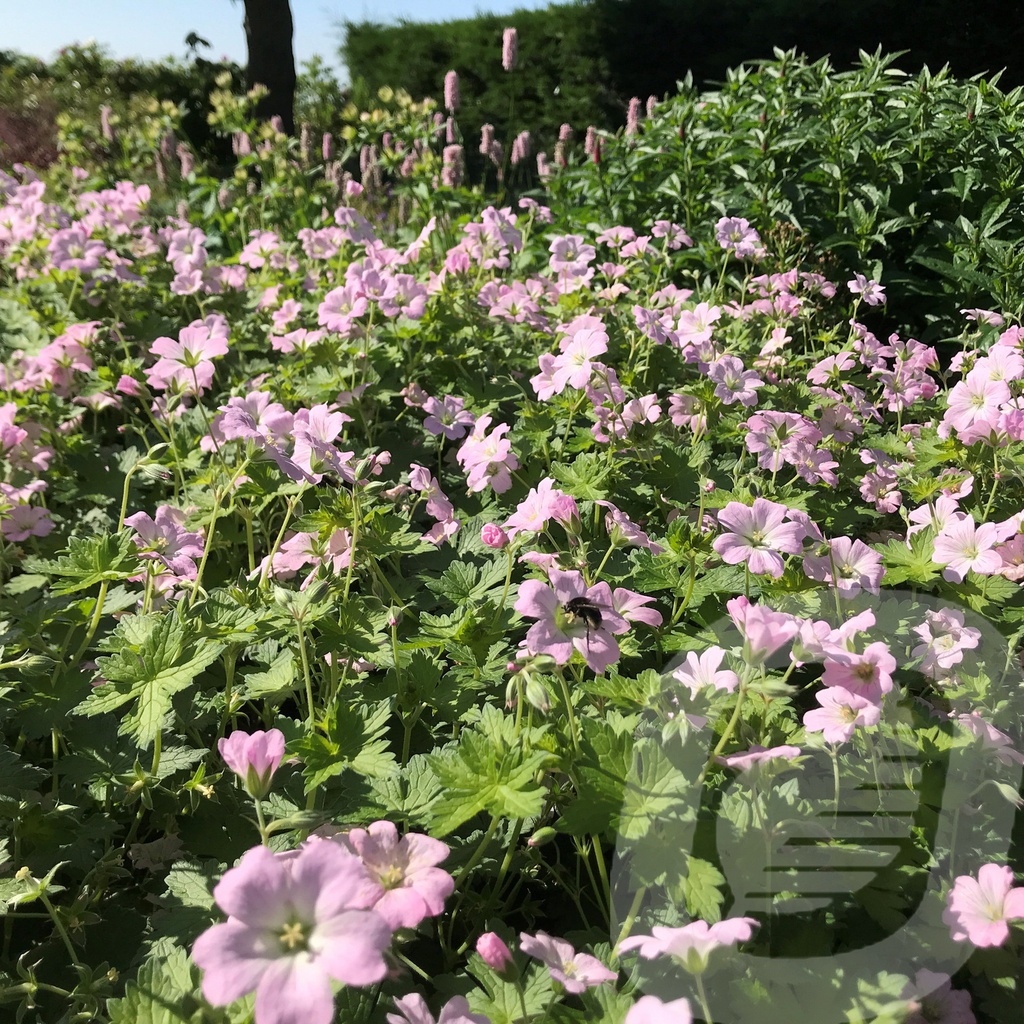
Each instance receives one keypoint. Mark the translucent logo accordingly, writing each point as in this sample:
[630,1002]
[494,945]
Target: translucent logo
[837,850]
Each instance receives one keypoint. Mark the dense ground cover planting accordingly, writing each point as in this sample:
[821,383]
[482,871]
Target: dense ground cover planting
[588,605]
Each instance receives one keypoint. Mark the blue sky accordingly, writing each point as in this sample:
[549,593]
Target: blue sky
[157,28]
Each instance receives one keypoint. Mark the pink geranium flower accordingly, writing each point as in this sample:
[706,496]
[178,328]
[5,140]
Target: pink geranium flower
[945,639]
[977,910]
[295,924]
[651,1010]
[871,292]
[759,536]
[413,1009]
[868,674]
[840,713]
[696,673]
[559,629]
[746,760]
[414,887]
[576,972]
[962,546]
[850,566]
[487,458]
[764,630]
[691,945]
[935,1001]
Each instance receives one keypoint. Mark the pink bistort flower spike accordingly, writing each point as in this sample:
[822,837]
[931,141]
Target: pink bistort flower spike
[978,909]
[253,757]
[509,49]
[576,972]
[414,887]
[295,924]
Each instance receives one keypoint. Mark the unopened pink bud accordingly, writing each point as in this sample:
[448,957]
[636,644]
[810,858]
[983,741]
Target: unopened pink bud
[128,386]
[494,952]
[493,536]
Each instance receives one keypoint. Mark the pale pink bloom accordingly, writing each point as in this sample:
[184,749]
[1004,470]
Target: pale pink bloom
[447,417]
[651,1010]
[975,399]
[414,887]
[759,536]
[935,1001]
[164,539]
[764,630]
[558,631]
[868,675]
[992,739]
[253,757]
[691,945]
[964,547]
[509,49]
[840,713]
[632,607]
[624,532]
[534,511]
[487,458]
[413,1009]
[733,383]
[977,910]
[576,972]
[945,640]
[830,369]
[296,923]
[871,292]
[1012,554]
[736,234]
[984,316]
[570,254]
[543,383]
[21,521]
[575,364]
[936,516]
[850,567]
[451,91]
[699,672]
[744,761]
[695,325]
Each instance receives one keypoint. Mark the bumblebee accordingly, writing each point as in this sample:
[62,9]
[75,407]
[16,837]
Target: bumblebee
[585,609]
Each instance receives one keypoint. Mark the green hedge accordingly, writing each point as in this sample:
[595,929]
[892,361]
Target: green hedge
[581,63]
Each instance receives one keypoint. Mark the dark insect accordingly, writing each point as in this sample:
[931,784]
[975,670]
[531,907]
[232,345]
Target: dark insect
[585,609]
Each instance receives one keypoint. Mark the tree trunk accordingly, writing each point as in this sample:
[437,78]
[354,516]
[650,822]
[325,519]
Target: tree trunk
[268,36]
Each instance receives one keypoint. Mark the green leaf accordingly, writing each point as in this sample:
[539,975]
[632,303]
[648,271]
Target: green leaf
[354,740]
[910,561]
[488,770]
[585,477]
[703,890]
[90,561]
[158,656]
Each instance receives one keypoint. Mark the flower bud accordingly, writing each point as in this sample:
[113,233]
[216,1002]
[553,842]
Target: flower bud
[541,837]
[496,955]
[493,536]
[253,758]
